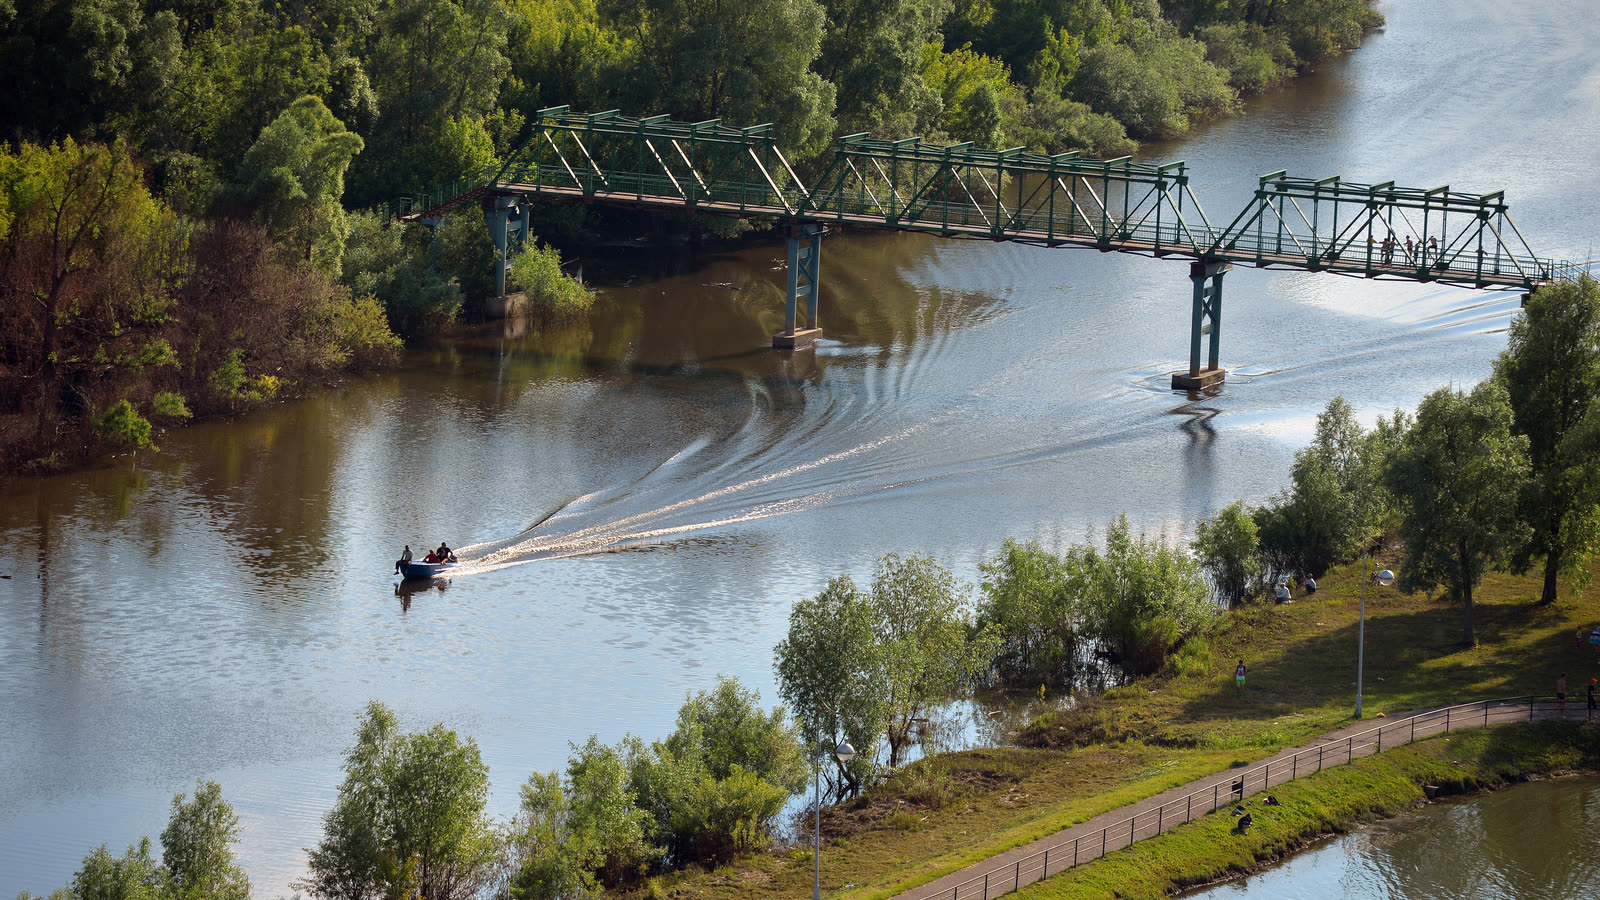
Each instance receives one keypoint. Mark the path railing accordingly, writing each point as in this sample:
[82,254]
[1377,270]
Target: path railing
[1229,790]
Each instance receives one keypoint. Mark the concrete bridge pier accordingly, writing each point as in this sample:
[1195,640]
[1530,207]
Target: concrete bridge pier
[1207,277]
[805,257]
[507,218]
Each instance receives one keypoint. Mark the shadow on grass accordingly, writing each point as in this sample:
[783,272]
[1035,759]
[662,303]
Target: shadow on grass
[1413,659]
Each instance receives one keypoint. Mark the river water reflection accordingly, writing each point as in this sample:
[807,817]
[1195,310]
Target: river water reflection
[646,496]
[1534,840]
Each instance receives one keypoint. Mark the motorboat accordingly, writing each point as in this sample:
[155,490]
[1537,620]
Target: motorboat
[417,570]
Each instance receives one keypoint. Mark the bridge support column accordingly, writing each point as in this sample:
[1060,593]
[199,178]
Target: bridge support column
[805,258]
[1207,278]
[508,228]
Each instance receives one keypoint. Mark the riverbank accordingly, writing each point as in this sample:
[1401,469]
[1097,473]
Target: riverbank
[1213,849]
[943,814]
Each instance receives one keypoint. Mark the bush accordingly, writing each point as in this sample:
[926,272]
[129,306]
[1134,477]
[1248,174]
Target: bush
[554,296]
[716,784]
[123,426]
[170,406]
[1029,604]
[364,336]
[1142,598]
[1154,82]
[1254,58]
[1227,545]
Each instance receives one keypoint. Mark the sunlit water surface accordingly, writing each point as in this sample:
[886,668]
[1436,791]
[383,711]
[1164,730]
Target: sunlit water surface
[644,498]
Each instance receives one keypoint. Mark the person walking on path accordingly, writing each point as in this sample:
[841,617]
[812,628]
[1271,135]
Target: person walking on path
[1238,679]
[1561,695]
[1589,715]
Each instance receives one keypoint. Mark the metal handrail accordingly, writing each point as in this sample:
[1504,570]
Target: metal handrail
[1122,834]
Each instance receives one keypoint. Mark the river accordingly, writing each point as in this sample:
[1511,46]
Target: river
[1533,840]
[224,609]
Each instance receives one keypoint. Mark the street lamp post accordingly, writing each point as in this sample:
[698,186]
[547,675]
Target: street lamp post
[844,753]
[1385,578]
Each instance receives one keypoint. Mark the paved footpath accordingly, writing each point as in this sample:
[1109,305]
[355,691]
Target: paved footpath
[1118,828]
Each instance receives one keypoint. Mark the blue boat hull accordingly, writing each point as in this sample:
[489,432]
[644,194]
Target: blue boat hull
[417,571]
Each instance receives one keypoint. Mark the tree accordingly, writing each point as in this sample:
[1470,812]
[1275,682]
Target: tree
[293,177]
[740,60]
[1458,475]
[1142,597]
[87,261]
[872,53]
[925,654]
[1551,374]
[1029,604]
[409,819]
[197,848]
[1227,545]
[716,784]
[1337,503]
[826,674]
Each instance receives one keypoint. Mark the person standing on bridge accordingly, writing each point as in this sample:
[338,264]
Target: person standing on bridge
[1411,254]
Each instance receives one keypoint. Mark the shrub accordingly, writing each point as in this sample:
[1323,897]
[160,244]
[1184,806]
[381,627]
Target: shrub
[1227,545]
[555,297]
[1142,597]
[1029,604]
[120,424]
[364,336]
[171,406]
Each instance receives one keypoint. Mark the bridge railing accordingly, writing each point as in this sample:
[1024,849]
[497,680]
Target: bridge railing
[1123,833]
[1380,230]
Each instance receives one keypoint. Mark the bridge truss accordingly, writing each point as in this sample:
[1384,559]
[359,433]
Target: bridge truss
[1321,225]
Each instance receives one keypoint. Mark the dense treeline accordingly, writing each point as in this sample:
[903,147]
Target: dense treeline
[176,175]
[1505,475]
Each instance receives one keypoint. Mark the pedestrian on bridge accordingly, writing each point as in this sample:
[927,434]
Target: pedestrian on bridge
[1410,253]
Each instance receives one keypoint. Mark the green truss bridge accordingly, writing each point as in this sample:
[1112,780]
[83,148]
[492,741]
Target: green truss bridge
[1322,225]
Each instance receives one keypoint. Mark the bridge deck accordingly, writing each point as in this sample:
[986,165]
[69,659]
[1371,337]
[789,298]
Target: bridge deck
[966,220]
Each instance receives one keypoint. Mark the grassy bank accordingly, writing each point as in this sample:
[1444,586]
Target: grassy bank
[956,809]
[1332,801]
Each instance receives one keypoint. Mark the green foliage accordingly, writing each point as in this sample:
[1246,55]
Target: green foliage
[1228,546]
[1153,80]
[1458,475]
[170,405]
[364,336]
[1338,503]
[1142,597]
[197,859]
[872,52]
[554,296]
[577,836]
[197,848]
[716,784]
[826,668]
[402,269]
[970,87]
[1254,58]
[1029,604]
[409,819]
[121,425]
[1551,373]
[742,60]
[133,876]
[293,177]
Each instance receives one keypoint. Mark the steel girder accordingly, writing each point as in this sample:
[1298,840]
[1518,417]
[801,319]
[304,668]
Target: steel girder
[1011,195]
[1384,231]
[616,159]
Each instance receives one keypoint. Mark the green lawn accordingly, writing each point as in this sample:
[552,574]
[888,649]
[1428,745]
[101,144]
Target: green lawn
[956,809]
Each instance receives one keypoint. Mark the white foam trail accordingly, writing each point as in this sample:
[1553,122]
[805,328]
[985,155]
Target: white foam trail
[631,530]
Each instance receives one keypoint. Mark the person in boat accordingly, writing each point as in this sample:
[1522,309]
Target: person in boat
[432,557]
[405,557]
[446,555]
